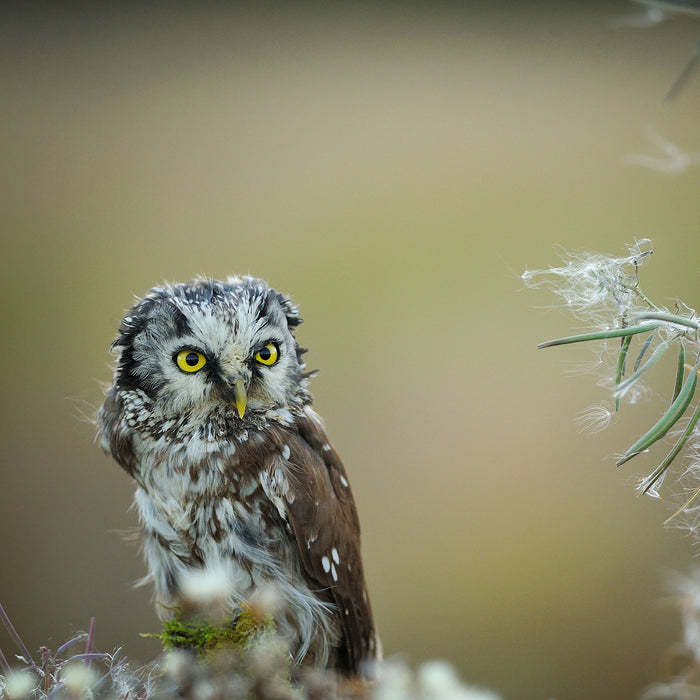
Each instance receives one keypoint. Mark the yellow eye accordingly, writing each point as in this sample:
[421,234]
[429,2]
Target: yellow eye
[190,360]
[268,355]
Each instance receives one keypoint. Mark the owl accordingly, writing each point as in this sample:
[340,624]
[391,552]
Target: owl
[210,413]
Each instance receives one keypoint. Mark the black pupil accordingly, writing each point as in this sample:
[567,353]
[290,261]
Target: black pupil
[192,359]
[265,353]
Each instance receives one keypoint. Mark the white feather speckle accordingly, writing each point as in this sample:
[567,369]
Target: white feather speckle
[326,564]
[334,572]
[286,452]
[344,481]
[334,554]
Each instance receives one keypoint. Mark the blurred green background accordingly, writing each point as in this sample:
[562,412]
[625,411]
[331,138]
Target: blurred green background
[394,167]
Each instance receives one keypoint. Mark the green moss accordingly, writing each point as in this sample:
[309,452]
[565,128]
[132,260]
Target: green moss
[204,637]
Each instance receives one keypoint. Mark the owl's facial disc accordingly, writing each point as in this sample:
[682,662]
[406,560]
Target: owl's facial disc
[203,347]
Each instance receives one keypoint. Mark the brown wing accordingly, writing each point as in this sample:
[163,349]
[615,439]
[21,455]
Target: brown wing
[324,520]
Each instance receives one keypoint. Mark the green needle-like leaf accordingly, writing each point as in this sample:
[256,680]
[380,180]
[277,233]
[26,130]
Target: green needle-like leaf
[666,317]
[626,384]
[684,76]
[621,362]
[656,474]
[669,418]
[642,352]
[686,6]
[680,372]
[601,335]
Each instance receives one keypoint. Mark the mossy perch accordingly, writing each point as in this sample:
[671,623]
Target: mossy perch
[205,637]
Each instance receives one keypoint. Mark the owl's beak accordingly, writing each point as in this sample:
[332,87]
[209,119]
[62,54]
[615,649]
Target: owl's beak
[240,394]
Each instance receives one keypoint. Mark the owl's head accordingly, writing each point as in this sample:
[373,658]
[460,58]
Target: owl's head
[206,345]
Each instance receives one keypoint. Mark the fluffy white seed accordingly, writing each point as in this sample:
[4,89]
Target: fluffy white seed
[207,589]
[438,679]
[19,684]
[78,678]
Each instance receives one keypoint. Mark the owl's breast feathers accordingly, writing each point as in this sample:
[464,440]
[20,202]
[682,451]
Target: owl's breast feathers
[290,473]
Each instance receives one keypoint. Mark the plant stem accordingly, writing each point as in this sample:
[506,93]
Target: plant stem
[16,638]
